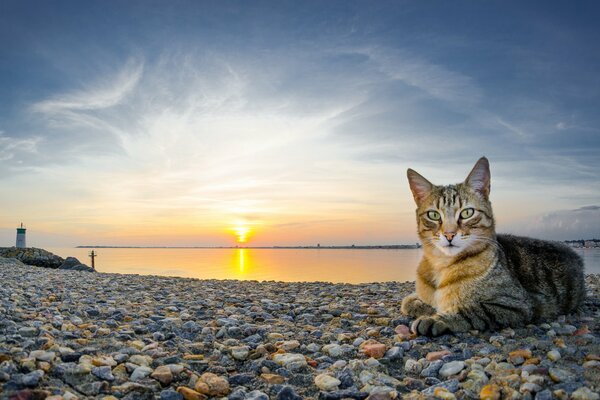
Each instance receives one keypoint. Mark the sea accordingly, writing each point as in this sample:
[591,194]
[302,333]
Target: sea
[288,265]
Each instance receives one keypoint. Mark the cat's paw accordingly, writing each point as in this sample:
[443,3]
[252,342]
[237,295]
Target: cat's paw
[433,325]
[413,306]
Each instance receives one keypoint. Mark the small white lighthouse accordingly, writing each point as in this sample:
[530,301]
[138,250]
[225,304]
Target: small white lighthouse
[21,243]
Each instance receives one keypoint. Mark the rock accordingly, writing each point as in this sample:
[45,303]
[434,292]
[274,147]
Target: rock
[104,373]
[190,394]
[334,350]
[288,393]
[42,355]
[433,369]
[451,368]
[170,394]
[443,393]
[372,348]
[140,373]
[291,361]
[394,353]
[559,375]
[32,379]
[518,357]
[450,385]
[326,382]
[584,393]
[240,353]
[256,395]
[73,264]
[490,392]
[553,355]
[413,366]
[212,385]
[273,379]
[437,355]
[163,374]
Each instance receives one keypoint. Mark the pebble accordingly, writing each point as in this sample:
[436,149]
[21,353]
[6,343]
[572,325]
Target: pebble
[561,375]
[124,336]
[451,368]
[327,382]
[212,385]
[553,355]
[163,374]
[584,393]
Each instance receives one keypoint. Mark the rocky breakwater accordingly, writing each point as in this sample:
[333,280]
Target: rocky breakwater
[145,337]
[42,258]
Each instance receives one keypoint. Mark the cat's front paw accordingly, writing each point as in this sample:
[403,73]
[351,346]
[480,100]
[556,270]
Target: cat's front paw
[432,325]
[413,306]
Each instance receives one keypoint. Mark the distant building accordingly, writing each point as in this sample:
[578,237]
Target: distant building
[21,242]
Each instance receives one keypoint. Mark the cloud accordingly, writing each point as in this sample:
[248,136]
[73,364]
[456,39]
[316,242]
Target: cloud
[580,223]
[11,147]
[102,94]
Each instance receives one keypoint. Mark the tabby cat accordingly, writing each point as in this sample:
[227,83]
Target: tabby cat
[471,278]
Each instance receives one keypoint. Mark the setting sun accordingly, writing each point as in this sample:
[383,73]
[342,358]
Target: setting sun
[242,233]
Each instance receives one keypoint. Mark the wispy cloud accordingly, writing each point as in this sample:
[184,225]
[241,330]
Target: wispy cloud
[99,95]
[10,146]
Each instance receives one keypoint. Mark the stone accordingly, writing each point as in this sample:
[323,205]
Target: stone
[170,394]
[584,393]
[450,385]
[287,393]
[451,368]
[553,355]
[163,374]
[190,394]
[326,382]
[560,375]
[334,350]
[443,393]
[518,357]
[291,361]
[33,378]
[394,353]
[140,373]
[42,355]
[413,366]
[437,355]
[433,369]
[104,373]
[372,348]
[240,353]
[212,385]
[273,379]
[256,395]
[490,392]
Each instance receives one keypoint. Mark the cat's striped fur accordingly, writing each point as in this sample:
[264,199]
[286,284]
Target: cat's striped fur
[471,278]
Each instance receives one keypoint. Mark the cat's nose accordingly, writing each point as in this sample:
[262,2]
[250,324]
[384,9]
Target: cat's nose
[449,236]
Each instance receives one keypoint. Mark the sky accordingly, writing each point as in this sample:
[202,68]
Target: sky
[191,123]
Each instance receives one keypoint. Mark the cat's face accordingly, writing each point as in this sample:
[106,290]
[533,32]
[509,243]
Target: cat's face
[454,218]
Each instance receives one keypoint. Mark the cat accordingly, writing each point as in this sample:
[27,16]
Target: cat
[472,279]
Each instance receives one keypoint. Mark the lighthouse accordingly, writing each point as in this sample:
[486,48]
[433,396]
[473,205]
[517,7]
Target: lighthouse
[21,237]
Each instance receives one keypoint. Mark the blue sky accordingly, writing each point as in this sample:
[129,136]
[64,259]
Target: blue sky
[125,122]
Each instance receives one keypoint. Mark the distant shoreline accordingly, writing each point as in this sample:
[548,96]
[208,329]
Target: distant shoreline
[351,247]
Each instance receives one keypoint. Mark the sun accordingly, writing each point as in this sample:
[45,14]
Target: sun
[242,233]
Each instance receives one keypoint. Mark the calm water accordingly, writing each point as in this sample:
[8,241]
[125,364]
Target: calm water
[352,266]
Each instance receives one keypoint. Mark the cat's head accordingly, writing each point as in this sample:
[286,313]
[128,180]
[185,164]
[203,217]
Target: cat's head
[454,218]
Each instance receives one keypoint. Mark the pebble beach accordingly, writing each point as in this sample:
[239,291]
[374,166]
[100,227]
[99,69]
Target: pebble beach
[77,335]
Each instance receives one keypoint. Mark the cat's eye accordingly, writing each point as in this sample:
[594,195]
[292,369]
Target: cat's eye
[467,213]
[434,215]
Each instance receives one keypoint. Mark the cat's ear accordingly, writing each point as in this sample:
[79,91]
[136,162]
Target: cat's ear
[479,177]
[420,187]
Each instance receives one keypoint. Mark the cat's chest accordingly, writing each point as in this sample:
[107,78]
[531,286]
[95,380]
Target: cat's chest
[456,285]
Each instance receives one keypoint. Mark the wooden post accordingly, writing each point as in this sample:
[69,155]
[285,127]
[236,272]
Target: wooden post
[93,256]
